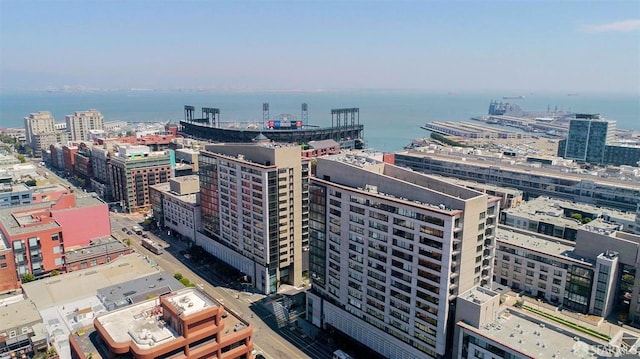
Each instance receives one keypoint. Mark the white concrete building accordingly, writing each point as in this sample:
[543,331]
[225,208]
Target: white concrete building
[390,249]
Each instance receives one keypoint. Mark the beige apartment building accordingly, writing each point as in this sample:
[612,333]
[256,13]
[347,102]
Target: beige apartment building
[254,205]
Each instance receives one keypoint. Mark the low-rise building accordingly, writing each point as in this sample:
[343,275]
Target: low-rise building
[14,194]
[40,233]
[99,251]
[321,148]
[8,274]
[19,329]
[176,205]
[594,275]
[485,328]
[187,323]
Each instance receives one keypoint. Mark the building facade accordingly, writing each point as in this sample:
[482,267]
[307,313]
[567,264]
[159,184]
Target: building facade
[41,133]
[176,206]
[390,249]
[101,165]
[254,205]
[81,122]
[14,195]
[132,170]
[588,137]
[8,274]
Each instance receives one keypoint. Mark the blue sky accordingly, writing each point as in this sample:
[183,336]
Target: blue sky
[454,46]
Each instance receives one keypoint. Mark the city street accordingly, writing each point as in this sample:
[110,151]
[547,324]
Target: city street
[269,340]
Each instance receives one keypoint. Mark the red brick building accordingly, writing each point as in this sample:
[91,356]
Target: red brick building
[187,323]
[40,233]
[82,164]
[68,159]
[8,276]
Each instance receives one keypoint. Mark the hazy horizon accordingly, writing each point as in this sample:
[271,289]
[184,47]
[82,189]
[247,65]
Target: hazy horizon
[516,48]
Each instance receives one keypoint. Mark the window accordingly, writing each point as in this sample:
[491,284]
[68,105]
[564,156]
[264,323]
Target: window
[57,249]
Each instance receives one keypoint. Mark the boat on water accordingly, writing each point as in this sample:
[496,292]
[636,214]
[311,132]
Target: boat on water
[513,97]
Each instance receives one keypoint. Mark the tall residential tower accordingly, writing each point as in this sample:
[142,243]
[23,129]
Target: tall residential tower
[390,249]
[254,204]
[81,122]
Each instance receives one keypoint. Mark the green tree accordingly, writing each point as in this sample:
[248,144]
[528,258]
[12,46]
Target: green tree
[27,277]
[177,276]
[586,220]
[21,158]
[577,216]
[128,242]
[185,282]
[54,273]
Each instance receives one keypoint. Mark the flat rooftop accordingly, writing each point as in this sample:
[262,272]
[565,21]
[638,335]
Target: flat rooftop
[97,247]
[136,290]
[68,287]
[538,340]
[427,188]
[532,241]
[484,186]
[142,323]
[17,314]
[478,295]
[515,165]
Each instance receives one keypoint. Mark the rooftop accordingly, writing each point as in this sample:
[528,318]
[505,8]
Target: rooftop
[484,186]
[532,241]
[96,247]
[67,287]
[17,314]
[423,183]
[134,291]
[572,173]
[529,336]
[478,295]
[143,322]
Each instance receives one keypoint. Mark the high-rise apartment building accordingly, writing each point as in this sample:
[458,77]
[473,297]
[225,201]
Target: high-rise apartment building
[132,169]
[253,200]
[588,137]
[390,249]
[41,132]
[38,122]
[81,122]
